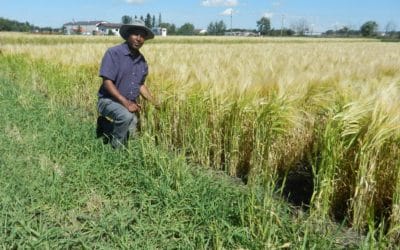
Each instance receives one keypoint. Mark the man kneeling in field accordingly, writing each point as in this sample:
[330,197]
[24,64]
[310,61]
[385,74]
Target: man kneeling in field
[123,70]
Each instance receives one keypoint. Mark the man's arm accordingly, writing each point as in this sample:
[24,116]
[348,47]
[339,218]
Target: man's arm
[110,87]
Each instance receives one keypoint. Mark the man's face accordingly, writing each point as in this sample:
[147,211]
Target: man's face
[136,39]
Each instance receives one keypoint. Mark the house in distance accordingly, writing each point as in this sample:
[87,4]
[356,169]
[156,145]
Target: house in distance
[91,28]
[100,28]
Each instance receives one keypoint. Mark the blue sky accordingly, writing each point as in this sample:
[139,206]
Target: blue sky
[320,15]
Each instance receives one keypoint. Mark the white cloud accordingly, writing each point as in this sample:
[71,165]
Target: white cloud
[134,1]
[228,12]
[216,3]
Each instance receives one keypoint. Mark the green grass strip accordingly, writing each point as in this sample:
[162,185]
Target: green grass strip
[62,188]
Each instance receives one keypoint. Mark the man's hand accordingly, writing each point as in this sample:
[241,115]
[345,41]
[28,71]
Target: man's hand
[145,92]
[132,106]
[110,87]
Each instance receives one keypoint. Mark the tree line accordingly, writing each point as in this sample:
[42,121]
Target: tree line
[300,28]
[151,22]
[12,25]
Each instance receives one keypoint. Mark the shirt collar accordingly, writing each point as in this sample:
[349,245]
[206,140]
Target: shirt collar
[127,51]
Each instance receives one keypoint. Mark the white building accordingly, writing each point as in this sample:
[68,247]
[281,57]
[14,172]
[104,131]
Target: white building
[81,27]
[101,28]
[158,31]
[105,28]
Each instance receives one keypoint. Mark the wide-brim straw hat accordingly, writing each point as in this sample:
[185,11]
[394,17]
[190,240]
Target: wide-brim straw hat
[126,29]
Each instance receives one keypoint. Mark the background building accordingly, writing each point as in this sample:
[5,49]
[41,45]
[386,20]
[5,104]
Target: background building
[81,27]
[105,28]
[158,31]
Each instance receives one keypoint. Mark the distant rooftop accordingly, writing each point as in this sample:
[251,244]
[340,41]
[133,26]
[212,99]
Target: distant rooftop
[84,23]
[110,25]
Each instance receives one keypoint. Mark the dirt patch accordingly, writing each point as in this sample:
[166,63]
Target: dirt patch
[297,187]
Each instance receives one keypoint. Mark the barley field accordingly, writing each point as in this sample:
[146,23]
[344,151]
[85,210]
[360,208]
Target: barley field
[254,110]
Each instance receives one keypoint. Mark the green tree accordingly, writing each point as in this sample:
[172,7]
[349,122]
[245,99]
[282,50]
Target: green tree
[126,19]
[264,25]
[187,29]
[301,27]
[390,29]
[216,28]
[153,22]
[369,29]
[344,31]
[11,25]
[147,21]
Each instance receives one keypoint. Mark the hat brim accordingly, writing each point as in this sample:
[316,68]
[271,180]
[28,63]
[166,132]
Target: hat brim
[126,30]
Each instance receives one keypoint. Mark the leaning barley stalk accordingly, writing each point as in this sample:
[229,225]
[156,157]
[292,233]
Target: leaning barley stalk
[326,170]
[370,128]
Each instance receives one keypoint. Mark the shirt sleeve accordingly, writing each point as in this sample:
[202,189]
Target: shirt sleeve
[108,68]
[145,73]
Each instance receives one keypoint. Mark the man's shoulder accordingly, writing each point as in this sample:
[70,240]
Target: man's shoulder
[119,49]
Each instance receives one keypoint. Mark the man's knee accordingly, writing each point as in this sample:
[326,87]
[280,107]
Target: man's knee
[125,117]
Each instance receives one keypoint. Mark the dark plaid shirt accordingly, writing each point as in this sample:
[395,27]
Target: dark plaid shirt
[127,72]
